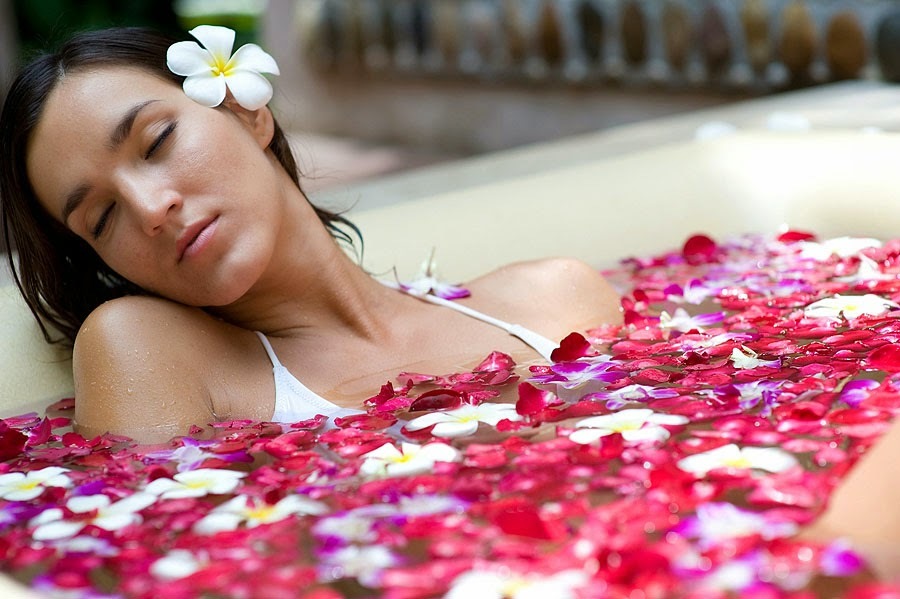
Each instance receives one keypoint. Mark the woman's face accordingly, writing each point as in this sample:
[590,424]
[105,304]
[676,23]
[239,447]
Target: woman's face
[180,199]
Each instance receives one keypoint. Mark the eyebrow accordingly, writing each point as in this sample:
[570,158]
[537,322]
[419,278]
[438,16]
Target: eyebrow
[118,136]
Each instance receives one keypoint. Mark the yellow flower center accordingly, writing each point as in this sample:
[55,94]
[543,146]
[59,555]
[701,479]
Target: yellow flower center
[740,462]
[627,426]
[402,459]
[514,586]
[27,485]
[220,66]
[261,512]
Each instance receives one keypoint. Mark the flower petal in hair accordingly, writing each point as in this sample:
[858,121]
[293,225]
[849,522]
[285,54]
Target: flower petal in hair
[212,70]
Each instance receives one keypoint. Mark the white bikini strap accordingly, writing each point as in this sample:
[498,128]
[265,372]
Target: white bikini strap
[539,343]
[271,352]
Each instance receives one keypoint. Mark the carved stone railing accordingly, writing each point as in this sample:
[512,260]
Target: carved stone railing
[693,51]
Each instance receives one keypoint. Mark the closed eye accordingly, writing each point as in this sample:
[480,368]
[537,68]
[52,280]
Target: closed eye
[159,140]
[101,223]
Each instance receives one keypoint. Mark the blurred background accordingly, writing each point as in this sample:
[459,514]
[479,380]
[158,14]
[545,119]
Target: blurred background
[370,87]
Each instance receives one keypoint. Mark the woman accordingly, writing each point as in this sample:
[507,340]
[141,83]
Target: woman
[172,244]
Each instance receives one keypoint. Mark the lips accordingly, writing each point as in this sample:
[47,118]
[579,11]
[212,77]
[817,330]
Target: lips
[194,237]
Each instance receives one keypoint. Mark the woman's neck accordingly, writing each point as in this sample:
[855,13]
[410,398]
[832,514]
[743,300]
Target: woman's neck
[312,287]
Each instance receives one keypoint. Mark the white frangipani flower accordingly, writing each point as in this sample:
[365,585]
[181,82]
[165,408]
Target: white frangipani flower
[483,584]
[253,512]
[365,564]
[842,247]
[635,425]
[410,459]
[51,524]
[850,306]
[732,456]
[463,421]
[18,486]
[196,483]
[745,358]
[211,71]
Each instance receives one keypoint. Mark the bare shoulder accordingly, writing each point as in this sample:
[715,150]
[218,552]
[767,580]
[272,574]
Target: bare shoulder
[143,368]
[553,295]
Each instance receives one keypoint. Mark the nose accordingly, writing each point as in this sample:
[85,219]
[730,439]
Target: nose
[151,202]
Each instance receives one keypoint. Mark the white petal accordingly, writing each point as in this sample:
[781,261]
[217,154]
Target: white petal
[22,494]
[11,478]
[668,419]
[50,515]
[188,58]
[769,458]
[205,88]
[131,504]
[250,89]
[407,468]
[646,433]
[584,436]
[251,57]
[116,521]
[297,504]
[451,430]
[161,486]
[87,503]
[57,530]
[218,40]
[439,452]
[427,420]
[177,564]
[387,451]
[217,522]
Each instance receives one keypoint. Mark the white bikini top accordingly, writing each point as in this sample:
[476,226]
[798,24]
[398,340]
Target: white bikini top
[294,401]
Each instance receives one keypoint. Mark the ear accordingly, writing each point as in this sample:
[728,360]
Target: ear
[259,122]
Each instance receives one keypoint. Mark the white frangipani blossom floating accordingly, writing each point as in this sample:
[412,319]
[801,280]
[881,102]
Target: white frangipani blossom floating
[52,525]
[842,247]
[463,421]
[365,564]
[850,306]
[253,512]
[18,486]
[482,584]
[732,456]
[635,425]
[745,358]
[196,483]
[211,71]
[410,459]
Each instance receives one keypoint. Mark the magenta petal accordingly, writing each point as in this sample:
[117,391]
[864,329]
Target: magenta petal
[574,346]
[496,361]
[531,400]
[699,248]
[439,399]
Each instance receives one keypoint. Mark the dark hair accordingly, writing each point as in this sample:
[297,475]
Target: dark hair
[60,276]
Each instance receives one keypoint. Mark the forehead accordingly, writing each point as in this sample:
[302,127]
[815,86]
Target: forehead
[72,134]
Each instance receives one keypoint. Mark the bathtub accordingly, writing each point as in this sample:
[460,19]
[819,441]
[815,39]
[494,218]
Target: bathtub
[646,201]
